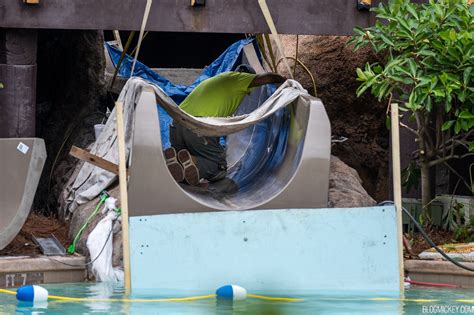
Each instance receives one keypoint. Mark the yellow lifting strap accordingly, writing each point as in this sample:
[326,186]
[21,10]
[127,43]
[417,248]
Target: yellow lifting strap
[142,30]
[271,25]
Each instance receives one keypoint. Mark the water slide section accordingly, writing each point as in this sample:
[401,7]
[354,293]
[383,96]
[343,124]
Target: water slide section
[21,164]
[296,177]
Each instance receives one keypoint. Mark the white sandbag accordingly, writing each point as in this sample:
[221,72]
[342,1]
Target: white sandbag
[100,246]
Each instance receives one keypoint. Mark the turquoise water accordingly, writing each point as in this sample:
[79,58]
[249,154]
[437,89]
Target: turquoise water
[312,304]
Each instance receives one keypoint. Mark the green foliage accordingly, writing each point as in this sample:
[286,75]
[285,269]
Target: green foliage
[411,177]
[453,219]
[465,233]
[428,58]
[471,178]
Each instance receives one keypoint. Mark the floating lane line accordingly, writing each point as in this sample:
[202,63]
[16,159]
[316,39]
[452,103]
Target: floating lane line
[254,296]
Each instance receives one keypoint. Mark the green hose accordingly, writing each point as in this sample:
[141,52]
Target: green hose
[103,197]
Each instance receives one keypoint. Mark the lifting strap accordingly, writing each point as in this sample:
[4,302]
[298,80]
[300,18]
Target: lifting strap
[271,25]
[142,30]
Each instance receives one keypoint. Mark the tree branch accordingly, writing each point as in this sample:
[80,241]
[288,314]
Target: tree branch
[451,143]
[439,123]
[463,143]
[413,131]
[389,105]
[458,175]
[426,143]
[428,136]
[421,137]
[449,157]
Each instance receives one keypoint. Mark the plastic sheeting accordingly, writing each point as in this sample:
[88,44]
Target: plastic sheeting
[288,92]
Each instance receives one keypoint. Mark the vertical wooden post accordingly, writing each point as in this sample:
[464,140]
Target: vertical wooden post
[397,186]
[123,195]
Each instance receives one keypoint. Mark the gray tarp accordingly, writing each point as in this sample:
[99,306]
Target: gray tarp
[91,180]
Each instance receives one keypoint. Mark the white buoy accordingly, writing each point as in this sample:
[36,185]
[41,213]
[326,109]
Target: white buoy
[232,292]
[32,293]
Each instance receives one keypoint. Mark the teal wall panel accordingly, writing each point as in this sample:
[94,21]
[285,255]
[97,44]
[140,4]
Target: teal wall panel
[294,250]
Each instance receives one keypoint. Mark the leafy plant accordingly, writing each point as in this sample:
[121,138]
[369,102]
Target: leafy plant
[465,233]
[470,177]
[411,177]
[426,62]
[453,219]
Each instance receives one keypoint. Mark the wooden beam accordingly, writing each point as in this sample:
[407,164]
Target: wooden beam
[88,157]
[397,188]
[123,196]
[323,17]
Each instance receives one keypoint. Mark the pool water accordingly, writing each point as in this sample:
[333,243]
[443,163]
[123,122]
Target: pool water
[443,301]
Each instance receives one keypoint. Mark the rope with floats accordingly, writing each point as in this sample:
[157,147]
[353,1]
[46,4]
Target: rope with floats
[254,296]
[218,294]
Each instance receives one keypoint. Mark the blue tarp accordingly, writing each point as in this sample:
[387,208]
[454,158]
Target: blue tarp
[227,61]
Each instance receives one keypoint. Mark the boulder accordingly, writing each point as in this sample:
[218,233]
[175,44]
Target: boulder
[345,187]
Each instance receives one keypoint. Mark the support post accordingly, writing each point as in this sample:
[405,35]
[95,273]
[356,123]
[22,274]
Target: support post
[123,195]
[18,76]
[397,186]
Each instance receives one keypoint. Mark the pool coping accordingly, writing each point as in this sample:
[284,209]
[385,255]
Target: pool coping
[437,271]
[18,271]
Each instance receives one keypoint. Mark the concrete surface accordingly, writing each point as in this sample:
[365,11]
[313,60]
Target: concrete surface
[18,271]
[440,272]
[21,164]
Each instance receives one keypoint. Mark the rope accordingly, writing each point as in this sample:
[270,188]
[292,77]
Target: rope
[142,30]
[296,54]
[181,299]
[270,51]
[254,296]
[103,197]
[271,298]
[93,260]
[122,56]
[261,46]
[271,25]
[427,238]
[297,61]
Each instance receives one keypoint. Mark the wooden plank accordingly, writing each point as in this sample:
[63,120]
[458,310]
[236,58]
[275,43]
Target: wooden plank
[93,159]
[397,186]
[123,196]
[323,17]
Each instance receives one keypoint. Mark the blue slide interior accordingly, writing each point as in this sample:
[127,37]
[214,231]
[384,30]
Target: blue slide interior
[252,152]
